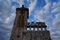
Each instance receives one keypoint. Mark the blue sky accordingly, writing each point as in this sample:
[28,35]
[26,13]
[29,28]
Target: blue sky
[47,11]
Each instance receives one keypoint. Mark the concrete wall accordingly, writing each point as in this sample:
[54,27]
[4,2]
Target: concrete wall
[36,35]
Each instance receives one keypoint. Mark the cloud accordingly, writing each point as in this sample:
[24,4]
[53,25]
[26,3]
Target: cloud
[51,15]
[32,5]
[47,1]
[42,13]
[5,19]
[56,22]
[20,2]
[7,16]
[55,7]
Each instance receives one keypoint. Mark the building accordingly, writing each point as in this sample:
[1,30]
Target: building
[23,30]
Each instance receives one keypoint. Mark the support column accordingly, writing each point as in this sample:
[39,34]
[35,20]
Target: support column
[45,29]
[41,28]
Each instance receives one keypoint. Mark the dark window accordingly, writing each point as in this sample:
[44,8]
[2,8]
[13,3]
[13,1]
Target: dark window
[18,36]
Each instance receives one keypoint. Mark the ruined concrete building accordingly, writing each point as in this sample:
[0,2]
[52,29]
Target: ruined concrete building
[23,30]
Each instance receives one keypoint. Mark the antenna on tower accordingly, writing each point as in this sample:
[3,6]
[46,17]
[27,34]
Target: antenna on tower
[22,6]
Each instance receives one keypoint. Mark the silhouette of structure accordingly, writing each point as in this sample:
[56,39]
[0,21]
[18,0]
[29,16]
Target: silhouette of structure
[23,30]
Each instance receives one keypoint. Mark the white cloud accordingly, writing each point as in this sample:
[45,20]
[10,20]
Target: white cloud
[47,1]
[55,7]
[32,6]
[56,22]
[44,14]
[19,1]
[5,5]
[5,18]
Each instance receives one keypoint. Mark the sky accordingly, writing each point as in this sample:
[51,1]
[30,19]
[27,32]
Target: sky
[47,11]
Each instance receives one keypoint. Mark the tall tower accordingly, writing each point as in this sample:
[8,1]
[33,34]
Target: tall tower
[20,23]
[23,30]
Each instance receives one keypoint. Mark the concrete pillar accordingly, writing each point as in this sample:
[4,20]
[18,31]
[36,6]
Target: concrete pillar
[41,28]
[45,29]
[37,29]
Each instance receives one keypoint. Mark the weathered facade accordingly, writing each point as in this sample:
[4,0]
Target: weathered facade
[23,30]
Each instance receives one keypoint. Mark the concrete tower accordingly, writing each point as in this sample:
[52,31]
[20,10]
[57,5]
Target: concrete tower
[20,23]
[23,30]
